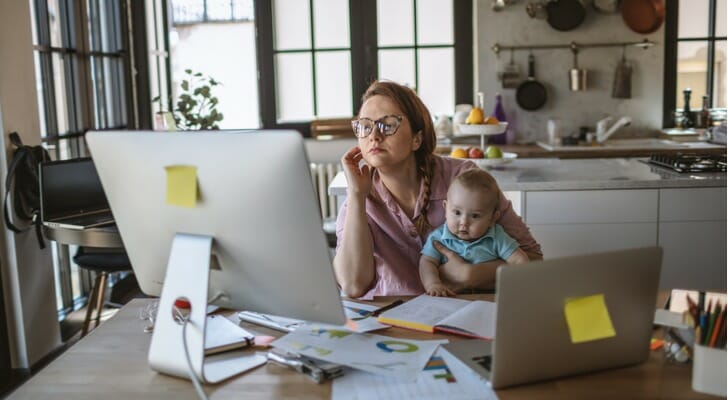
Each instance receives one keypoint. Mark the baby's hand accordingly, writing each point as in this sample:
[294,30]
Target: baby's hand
[439,290]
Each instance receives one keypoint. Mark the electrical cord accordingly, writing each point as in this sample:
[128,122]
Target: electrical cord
[193,376]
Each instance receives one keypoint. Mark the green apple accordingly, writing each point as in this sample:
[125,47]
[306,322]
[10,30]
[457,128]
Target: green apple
[493,152]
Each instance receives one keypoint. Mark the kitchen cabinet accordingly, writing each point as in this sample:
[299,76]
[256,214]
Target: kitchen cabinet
[692,233]
[588,221]
[688,223]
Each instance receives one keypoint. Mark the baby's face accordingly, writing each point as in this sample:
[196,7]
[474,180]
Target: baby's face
[469,213]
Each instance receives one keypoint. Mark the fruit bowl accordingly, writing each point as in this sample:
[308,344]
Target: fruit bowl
[490,162]
[481,129]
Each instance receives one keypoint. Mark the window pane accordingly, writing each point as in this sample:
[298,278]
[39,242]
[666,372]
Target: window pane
[292,22]
[693,18]
[39,93]
[99,100]
[54,20]
[333,84]
[331,23]
[398,66]
[692,70]
[294,91]
[436,76]
[719,70]
[395,23]
[235,68]
[720,13]
[59,92]
[434,22]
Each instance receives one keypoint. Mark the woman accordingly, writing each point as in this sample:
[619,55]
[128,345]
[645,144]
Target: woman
[395,198]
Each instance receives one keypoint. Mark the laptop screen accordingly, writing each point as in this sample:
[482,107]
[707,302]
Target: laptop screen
[69,188]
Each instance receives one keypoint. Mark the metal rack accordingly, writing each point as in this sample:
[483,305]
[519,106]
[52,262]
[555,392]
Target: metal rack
[644,44]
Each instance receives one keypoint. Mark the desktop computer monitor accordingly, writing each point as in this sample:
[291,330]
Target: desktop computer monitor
[254,198]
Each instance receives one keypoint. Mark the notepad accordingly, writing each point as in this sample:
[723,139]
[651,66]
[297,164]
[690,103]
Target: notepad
[222,335]
[475,319]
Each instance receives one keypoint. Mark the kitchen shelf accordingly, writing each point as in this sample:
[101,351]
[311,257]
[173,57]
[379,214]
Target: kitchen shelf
[497,48]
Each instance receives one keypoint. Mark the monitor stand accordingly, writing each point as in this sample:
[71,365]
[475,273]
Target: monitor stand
[187,276]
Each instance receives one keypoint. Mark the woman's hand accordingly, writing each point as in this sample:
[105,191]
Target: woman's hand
[359,179]
[456,270]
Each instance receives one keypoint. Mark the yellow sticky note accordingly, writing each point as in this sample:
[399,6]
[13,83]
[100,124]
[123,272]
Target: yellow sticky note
[181,185]
[588,318]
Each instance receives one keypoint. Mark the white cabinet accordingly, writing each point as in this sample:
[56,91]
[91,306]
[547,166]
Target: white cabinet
[588,221]
[692,233]
[688,223]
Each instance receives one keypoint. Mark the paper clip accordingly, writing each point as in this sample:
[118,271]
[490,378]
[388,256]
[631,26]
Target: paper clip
[318,371]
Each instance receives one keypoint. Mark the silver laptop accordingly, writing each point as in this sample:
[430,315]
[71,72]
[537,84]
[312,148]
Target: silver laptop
[71,195]
[532,340]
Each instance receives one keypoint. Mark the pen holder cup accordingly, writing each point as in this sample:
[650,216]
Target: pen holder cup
[709,370]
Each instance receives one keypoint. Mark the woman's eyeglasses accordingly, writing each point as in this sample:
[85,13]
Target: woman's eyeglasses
[387,125]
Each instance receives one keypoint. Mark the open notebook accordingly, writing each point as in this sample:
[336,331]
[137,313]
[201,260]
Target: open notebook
[475,319]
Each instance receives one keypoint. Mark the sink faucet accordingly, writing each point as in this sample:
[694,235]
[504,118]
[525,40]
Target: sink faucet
[603,133]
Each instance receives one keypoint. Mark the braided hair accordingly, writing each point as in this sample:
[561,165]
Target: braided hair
[420,121]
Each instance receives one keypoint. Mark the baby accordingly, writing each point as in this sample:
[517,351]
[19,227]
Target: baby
[471,210]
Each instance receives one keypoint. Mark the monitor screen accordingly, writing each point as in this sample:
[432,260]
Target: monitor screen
[254,197]
[70,187]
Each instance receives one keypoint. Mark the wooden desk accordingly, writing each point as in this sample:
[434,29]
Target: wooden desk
[111,363]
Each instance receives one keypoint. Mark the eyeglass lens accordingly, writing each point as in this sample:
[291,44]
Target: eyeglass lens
[387,126]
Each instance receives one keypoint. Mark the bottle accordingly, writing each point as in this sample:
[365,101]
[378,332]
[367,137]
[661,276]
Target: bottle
[687,114]
[500,114]
[705,113]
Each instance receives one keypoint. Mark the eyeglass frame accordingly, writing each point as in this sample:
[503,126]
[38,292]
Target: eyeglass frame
[378,123]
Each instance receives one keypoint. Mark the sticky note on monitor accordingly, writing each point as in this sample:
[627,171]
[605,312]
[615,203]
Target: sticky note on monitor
[181,185]
[588,318]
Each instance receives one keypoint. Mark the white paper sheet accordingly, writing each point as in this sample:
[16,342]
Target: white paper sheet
[394,357]
[441,379]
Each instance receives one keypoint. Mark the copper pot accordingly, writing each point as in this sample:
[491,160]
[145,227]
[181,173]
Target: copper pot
[643,16]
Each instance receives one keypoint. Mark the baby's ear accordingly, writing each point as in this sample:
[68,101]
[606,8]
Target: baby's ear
[496,215]
[444,204]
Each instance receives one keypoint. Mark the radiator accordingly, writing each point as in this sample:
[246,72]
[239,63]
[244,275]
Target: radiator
[322,174]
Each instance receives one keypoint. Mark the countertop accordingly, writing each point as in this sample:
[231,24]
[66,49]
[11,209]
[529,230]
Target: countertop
[535,151]
[583,174]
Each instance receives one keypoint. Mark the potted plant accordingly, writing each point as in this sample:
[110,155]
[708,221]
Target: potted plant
[196,106]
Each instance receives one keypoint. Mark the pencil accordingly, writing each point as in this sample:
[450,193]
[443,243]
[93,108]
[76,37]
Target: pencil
[712,316]
[389,306]
[719,323]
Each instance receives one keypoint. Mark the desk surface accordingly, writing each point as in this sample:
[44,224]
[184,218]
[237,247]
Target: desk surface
[111,363]
[106,236]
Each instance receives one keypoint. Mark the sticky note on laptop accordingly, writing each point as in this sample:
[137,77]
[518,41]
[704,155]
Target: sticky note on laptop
[588,318]
[181,185]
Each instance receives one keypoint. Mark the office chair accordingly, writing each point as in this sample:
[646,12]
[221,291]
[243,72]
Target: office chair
[103,261]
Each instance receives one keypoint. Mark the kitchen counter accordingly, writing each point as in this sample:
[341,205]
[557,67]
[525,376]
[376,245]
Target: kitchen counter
[535,151]
[583,174]
[595,174]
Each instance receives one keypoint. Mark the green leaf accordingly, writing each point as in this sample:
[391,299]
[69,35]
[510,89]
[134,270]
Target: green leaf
[188,71]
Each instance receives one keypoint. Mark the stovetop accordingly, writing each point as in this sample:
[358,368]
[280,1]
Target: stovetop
[686,162]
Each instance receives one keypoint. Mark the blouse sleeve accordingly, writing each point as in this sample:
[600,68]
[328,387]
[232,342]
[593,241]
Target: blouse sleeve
[513,225]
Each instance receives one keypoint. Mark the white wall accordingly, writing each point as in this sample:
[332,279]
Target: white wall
[513,26]
[27,271]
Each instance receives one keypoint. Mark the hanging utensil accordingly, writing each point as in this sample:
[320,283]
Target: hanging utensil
[565,15]
[622,85]
[643,16]
[577,76]
[511,74]
[531,94]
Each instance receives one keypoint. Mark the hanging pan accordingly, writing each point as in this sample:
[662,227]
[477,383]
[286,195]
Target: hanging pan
[565,15]
[531,94]
[643,16]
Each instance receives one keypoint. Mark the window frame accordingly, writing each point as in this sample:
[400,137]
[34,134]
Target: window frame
[364,63]
[671,44]
[79,48]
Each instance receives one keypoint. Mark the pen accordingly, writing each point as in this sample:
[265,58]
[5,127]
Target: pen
[389,306]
